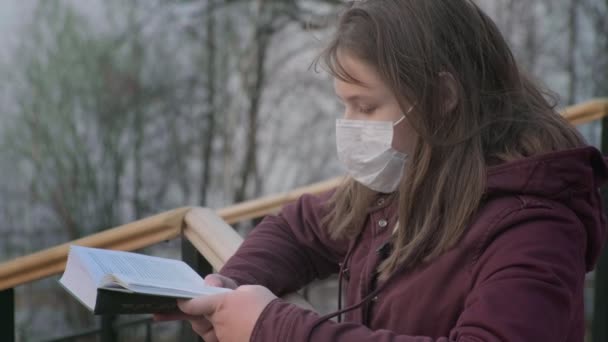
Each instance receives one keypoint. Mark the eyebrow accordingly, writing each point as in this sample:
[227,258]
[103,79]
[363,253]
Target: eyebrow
[356,98]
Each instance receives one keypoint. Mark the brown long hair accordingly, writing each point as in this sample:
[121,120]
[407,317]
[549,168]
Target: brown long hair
[500,116]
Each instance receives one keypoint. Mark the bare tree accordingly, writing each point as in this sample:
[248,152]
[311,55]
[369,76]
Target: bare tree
[77,127]
[572,48]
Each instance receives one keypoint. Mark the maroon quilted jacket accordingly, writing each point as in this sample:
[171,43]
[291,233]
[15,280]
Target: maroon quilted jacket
[517,274]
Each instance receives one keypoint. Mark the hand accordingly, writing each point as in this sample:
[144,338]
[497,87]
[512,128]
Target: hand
[200,324]
[233,315]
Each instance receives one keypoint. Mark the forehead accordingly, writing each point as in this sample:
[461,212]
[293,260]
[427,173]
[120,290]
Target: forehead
[365,74]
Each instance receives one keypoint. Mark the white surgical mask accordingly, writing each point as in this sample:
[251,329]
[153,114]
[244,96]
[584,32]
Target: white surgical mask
[365,149]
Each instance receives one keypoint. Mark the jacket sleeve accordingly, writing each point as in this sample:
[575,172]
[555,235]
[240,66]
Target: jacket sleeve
[289,250]
[524,286]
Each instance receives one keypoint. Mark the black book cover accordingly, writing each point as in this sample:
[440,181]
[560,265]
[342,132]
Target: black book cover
[116,302]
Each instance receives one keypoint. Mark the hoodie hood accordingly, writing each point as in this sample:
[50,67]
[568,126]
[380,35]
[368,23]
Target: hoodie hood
[571,177]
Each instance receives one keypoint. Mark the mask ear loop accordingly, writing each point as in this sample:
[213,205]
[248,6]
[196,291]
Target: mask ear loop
[399,121]
[403,116]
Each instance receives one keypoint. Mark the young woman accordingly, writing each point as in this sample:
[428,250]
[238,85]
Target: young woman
[471,213]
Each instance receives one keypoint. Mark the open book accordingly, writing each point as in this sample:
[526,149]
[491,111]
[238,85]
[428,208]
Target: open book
[115,282]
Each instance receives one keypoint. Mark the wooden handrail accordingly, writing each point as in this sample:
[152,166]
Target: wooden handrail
[267,205]
[587,111]
[140,234]
[128,237]
[211,235]
[168,225]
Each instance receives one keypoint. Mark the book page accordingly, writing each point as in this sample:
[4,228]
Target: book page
[142,269]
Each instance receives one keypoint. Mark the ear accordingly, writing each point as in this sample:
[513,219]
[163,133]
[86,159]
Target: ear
[449,90]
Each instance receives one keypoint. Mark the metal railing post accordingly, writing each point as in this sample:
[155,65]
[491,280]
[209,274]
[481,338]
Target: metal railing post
[599,327]
[108,331]
[193,258]
[7,314]
[148,331]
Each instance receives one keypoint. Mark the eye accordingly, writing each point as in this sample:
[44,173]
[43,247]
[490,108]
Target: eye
[367,109]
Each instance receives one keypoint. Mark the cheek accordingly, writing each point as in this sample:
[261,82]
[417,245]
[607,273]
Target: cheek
[404,138]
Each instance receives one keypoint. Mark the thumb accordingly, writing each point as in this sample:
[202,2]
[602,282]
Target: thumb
[219,280]
[214,280]
[205,305]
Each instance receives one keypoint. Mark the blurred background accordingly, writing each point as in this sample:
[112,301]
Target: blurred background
[116,110]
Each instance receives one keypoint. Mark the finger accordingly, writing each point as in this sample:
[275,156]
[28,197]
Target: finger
[203,305]
[219,280]
[201,326]
[210,336]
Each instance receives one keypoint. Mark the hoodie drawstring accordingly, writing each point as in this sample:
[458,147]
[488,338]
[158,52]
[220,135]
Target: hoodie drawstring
[344,268]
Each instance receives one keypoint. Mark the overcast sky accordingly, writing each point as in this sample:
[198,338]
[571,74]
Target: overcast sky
[13,14]
[16,13]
